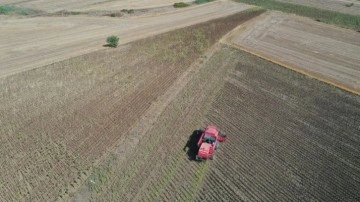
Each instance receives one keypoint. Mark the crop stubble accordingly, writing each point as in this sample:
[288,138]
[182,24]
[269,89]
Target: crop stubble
[290,137]
[59,120]
[321,51]
[43,40]
[157,164]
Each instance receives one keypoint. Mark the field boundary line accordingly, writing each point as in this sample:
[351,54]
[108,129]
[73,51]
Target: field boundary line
[296,68]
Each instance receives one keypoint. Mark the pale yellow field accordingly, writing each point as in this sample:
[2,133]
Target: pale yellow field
[34,42]
[319,50]
[84,5]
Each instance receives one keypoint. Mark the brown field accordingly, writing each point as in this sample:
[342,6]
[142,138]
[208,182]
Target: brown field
[60,120]
[291,138]
[322,51]
[343,6]
[40,41]
[288,140]
[118,124]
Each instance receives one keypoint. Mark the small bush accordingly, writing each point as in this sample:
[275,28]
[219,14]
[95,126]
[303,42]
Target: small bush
[5,9]
[112,41]
[181,5]
[8,10]
[129,11]
[115,14]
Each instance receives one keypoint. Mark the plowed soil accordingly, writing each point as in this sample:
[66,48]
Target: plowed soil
[321,51]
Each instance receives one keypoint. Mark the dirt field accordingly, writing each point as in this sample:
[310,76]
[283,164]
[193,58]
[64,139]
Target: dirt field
[60,120]
[39,41]
[290,137]
[325,52]
[287,141]
[343,6]
[120,124]
[86,5]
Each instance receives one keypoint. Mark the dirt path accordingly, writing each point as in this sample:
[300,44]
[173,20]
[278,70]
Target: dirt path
[40,41]
[321,51]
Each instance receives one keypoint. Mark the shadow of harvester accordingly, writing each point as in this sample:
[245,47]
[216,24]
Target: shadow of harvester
[191,146]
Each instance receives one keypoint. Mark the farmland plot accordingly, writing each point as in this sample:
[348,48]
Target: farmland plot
[43,40]
[59,121]
[85,5]
[151,162]
[290,137]
[321,51]
[343,6]
[158,168]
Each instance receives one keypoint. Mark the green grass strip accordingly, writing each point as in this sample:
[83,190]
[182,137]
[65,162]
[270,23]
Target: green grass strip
[326,16]
[202,1]
[9,9]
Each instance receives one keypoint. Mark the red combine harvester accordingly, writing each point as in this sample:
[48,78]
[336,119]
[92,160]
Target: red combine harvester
[209,142]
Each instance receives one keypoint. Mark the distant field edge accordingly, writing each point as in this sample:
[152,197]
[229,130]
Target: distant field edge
[321,15]
[300,70]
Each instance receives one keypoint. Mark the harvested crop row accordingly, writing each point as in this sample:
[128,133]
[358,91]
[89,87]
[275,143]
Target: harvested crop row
[289,137]
[170,171]
[67,115]
[178,47]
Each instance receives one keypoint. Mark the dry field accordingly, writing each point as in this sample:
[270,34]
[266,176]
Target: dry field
[86,5]
[34,42]
[343,6]
[119,124]
[322,51]
[290,137]
[59,121]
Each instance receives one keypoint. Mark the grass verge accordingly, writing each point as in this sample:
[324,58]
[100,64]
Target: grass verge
[181,5]
[202,1]
[326,16]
